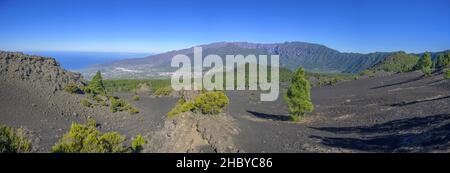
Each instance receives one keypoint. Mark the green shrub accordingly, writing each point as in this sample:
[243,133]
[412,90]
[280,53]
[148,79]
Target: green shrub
[98,98]
[211,102]
[138,143]
[13,140]
[164,91]
[294,118]
[135,97]
[73,89]
[91,122]
[133,110]
[117,104]
[447,74]
[85,103]
[180,107]
[206,103]
[87,139]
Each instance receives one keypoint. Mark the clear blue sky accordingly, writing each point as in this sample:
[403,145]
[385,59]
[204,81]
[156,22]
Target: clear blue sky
[158,26]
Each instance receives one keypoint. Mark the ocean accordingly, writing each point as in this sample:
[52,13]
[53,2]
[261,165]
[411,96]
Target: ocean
[78,60]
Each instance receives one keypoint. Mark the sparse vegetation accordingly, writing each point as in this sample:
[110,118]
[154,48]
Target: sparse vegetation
[135,97]
[180,107]
[211,102]
[117,105]
[399,62]
[298,96]
[96,86]
[85,103]
[206,103]
[138,143]
[447,74]
[13,140]
[133,110]
[443,60]
[128,85]
[87,139]
[91,122]
[73,89]
[164,91]
[425,64]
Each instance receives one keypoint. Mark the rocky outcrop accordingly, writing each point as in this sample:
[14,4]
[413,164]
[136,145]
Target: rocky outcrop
[194,133]
[39,70]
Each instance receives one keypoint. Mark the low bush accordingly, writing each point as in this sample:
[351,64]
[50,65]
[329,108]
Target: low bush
[164,91]
[88,139]
[135,97]
[138,143]
[133,110]
[447,74]
[13,140]
[211,102]
[294,118]
[85,103]
[206,103]
[117,104]
[73,89]
[180,107]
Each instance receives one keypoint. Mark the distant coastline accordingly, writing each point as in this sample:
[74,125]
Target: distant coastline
[74,60]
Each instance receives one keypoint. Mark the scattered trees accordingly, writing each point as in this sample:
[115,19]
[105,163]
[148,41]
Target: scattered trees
[298,97]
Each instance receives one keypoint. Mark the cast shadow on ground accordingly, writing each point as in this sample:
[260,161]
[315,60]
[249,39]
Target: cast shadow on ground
[405,103]
[419,134]
[398,83]
[270,116]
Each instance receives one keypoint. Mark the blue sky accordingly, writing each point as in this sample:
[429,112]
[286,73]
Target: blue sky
[159,26]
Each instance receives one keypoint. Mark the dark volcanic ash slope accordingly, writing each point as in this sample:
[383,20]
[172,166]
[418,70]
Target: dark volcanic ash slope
[32,96]
[396,113]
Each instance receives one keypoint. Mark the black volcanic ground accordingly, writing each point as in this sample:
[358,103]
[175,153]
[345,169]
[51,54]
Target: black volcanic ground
[397,113]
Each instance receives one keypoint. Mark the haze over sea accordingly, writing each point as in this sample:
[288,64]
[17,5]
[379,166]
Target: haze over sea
[72,60]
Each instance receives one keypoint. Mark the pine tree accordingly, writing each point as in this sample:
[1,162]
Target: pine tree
[425,64]
[443,60]
[96,85]
[440,61]
[298,97]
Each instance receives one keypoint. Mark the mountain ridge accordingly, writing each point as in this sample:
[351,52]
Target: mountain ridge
[311,56]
